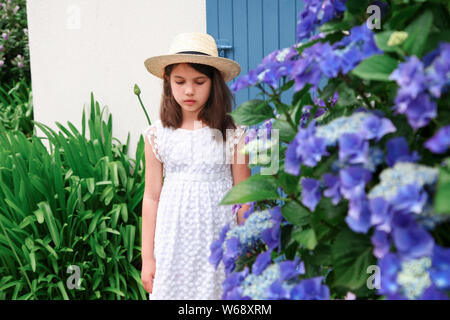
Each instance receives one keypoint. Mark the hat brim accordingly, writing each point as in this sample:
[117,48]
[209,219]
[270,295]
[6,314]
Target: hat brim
[229,68]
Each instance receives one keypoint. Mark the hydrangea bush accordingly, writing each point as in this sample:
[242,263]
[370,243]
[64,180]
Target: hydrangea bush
[14,50]
[359,207]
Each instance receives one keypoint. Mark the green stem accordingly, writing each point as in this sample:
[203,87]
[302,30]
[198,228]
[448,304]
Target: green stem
[145,111]
[276,98]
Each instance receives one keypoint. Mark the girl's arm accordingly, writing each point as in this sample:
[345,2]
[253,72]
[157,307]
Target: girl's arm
[241,172]
[153,186]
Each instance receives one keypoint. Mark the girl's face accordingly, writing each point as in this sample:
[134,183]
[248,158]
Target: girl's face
[190,88]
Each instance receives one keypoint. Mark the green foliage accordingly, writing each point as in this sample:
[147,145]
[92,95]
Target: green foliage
[15,54]
[75,203]
[16,108]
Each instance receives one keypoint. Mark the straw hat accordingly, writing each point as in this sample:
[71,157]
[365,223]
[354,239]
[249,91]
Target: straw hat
[194,48]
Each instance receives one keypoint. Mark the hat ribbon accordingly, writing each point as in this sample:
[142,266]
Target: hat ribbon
[193,52]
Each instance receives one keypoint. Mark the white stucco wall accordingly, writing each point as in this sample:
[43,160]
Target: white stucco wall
[79,46]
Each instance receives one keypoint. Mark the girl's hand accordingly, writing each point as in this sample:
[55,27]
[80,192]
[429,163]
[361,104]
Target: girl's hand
[147,274]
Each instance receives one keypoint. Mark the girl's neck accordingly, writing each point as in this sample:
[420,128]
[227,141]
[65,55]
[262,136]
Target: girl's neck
[192,124]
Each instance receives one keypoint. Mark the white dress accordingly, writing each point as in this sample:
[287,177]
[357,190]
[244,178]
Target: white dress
[197,175]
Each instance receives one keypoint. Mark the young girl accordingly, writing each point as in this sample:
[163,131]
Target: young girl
[196,147]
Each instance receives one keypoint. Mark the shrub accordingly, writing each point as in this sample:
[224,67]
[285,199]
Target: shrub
[360,204]
[75,204]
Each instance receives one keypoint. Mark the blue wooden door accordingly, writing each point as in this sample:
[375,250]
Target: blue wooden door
[248,30]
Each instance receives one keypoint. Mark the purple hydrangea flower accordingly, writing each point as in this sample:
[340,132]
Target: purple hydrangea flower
[289,269]
[438,74]
[353,148]
[310,148]
[262,261]
[420,111]
[271,236]
[358,218]
[440,142]
[353,181]
[333,186]
[310,193]
[410,198]
[316,13]
[411,240]
[310,289]
[232,251]
[381,216]
[381,243]
[292,160]
[231,285]
[389,267]
[398,151]
[216,253]
[375,127]
[440,268]
[277,292]
[410,77]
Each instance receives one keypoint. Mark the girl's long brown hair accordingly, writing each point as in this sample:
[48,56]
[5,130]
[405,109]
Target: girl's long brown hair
[216,111]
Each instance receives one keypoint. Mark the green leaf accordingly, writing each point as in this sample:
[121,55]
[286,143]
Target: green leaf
[377,67]
[295,213]
[255,188]
[252,112]
[90,183]
[357,6]
[306,238]
[418,32]
[347,96]
[442,197]
[288,181]
[286,132]
[39,215]
[352,255]
[401,16]
[50,221]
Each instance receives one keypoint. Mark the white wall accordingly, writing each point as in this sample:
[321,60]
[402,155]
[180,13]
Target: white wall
[79,46]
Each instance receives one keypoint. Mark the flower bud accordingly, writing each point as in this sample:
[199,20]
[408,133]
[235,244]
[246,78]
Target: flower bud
[137,91]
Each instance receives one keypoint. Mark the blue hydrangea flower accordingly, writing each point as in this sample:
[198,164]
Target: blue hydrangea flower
[359,215]
[411,240]
[382,213]
[438,73]
[440,142]
[440,268]
[417,83]
[398,151]
[311,289]
[236,241]
[381,243]
[400,175]
[353,148]
[410,77]
[316,13]
[420,110]
[409,198]
[311,193]
[410,278]
[336,128]
[333,185]
[375,127]
[353,181]
[262,261]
